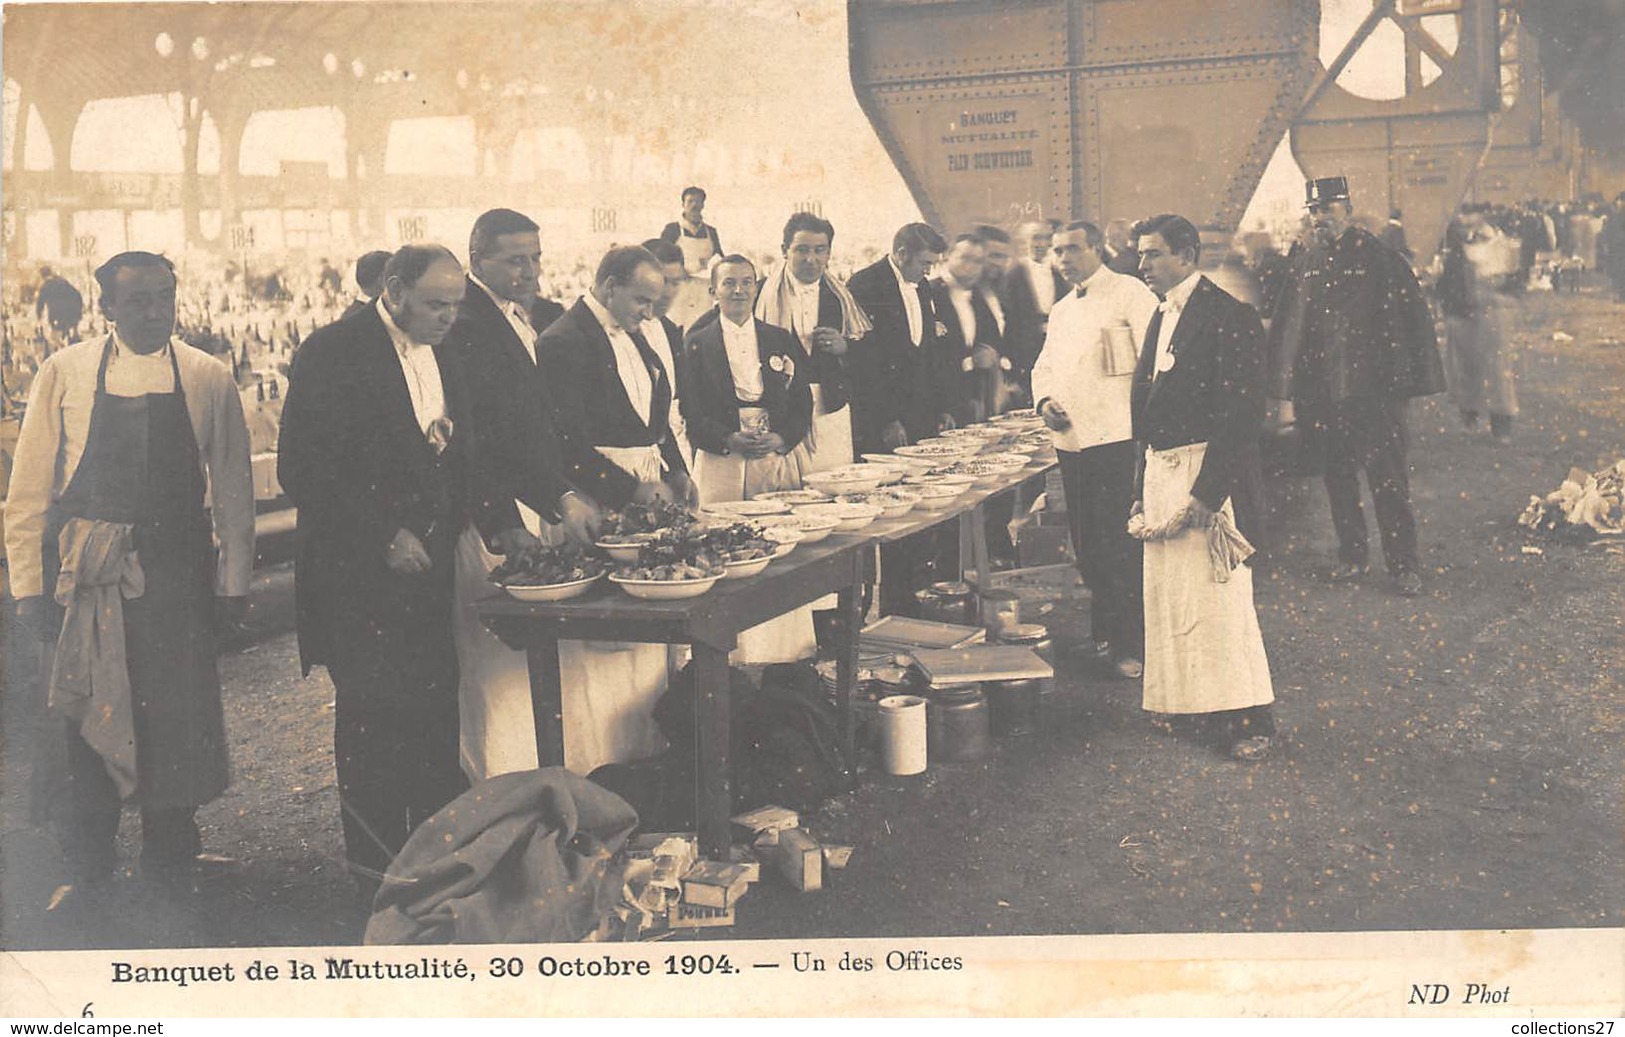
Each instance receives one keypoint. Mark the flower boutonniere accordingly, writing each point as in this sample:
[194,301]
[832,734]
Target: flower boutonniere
[782,364]
[942,329]
[439,434]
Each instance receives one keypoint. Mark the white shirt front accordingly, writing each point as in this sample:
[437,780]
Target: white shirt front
[628,361]
[518,319]
[1172,305]
[804,315]
[911,303]
[1071,368]
[961,300]
[744,359]
[422,373]
[1043,279]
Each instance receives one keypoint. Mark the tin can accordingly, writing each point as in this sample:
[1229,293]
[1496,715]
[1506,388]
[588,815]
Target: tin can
[1031,635]
[1000,610]
[948,602]
[957,723]
[1013,706]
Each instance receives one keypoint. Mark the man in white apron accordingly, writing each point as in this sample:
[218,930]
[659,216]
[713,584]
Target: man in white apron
[1198,407]
[749,406]
[800,296]
[132,504]
[700,246]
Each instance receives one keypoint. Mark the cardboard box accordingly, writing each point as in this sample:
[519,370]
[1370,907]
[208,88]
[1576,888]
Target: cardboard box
[715,884]
[800,860]
[692,916]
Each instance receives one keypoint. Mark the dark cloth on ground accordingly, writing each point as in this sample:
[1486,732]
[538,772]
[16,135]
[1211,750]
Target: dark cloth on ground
[520,858]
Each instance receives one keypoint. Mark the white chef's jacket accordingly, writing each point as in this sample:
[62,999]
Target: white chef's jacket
[1071,368]
[57,424]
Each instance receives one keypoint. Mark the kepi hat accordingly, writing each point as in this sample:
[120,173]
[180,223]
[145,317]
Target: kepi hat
[1326,189]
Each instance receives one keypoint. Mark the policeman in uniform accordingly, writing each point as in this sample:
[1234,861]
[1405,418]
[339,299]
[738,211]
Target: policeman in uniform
[1351,342]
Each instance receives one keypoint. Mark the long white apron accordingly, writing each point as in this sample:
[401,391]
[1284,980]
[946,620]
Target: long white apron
[728,477]
[829,441]
[1203,649]
[608,688]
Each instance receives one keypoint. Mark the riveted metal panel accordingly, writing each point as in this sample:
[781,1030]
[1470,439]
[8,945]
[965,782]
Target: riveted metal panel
[910,42]
[1120,31]
[1206,87]
[996,152]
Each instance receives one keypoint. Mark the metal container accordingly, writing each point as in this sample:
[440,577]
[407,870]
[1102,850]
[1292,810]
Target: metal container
[1031,635]
[957,723]
[1013,706]
[1000,611]
[948,602]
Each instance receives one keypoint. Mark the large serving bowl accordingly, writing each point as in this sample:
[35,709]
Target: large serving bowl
[665,590]
[1008,460]
[907,464]
[794,497]
[747,508]
[551,591]
[852,478]
[938,497]
[891,502]
[938,452]
[740,570]
[811,529]
[848,517]
[960,483]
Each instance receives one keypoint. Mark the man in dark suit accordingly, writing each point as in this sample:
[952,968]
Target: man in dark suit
[379,453]
[898,379]
[495,342]
[1122,256]
[1031,288]
[896,368]
[611,394]
[1197,408]
[970,333]
[1352,340]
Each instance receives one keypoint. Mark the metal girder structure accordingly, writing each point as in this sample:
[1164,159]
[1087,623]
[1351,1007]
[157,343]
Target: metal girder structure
[1092,109]
[1418,152]
[507,66]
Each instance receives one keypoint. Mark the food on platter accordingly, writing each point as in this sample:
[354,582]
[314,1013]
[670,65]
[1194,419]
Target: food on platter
[892,503]
[750,508]
[671,572]
[646,518]
[542,566]
[794,496]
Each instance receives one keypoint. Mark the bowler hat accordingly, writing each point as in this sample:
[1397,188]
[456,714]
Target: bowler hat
[1326,189]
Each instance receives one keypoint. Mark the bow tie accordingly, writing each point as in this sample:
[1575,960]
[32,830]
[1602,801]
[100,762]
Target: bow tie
[1082,291]
[1169,307]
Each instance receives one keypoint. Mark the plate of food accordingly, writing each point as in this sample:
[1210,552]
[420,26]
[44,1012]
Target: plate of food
[848,517]
[852,478]
[936,451]
[892,502]
[980,472]
[747,508]
[1008,460]
[540,573]
[794,497]
[939,496]
[666,582]
[939,477]
[623,548]
[898,461]
[811,529]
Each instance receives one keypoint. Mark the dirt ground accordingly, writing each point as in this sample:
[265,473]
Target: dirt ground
[1452,761]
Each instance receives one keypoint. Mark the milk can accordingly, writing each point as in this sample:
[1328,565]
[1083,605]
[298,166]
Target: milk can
[957,723]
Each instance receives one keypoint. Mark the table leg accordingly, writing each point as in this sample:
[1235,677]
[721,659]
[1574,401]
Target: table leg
[846,674]
[712,706]
[547,702]
[973,526]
